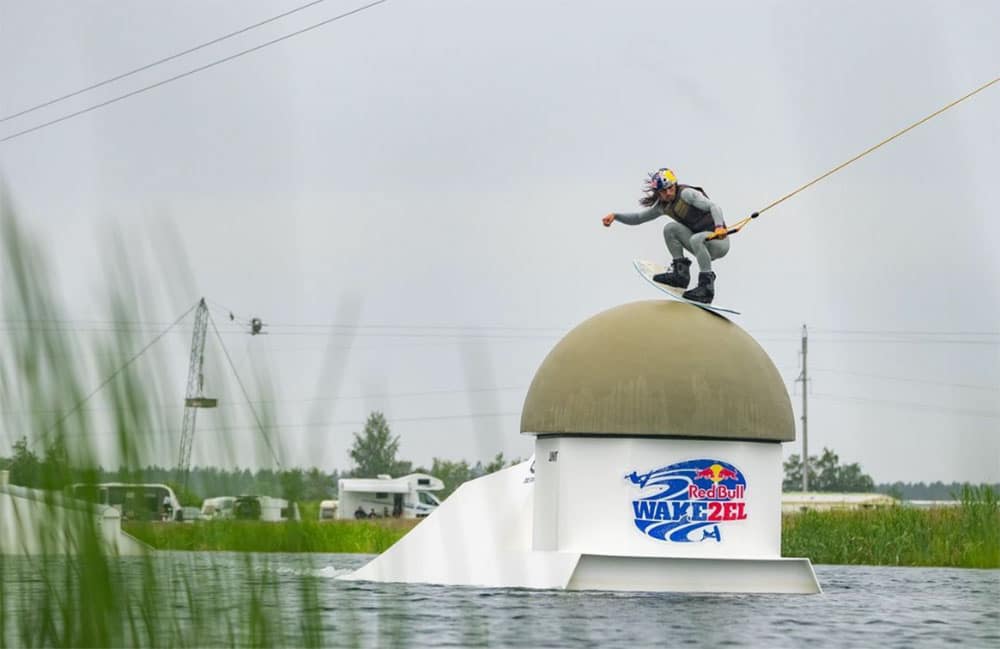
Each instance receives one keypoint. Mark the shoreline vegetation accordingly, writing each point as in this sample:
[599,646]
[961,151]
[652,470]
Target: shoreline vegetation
[963,536]
[348,536]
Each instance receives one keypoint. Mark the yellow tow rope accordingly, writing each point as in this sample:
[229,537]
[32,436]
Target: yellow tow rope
[733,229]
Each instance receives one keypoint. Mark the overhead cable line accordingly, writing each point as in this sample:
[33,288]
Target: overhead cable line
[328,334]
[190,72]
[225,311]
[740,224]
[222,309]
[117,372]
[907,380]
[392,420]
[246,395]
[328,424]
[229,313]
[907,341]
[158,62]
[411,335]
[359,397]
[990,414]
[416,326]
[898,332]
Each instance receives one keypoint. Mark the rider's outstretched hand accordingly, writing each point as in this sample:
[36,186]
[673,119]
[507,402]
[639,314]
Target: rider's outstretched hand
[608,220]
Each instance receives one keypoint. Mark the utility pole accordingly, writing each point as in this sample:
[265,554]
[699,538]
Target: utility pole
[804,378]
[194,395]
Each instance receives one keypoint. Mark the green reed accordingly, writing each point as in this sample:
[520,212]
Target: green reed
[964,536]
[355,537]
[77,402]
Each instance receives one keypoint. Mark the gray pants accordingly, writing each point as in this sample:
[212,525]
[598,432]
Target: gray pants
[680,238]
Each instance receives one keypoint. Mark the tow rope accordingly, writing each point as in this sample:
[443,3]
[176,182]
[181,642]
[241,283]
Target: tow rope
[739,225]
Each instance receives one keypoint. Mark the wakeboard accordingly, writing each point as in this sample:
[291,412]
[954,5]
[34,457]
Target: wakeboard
[647,269]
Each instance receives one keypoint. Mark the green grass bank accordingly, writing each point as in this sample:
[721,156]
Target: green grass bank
[966,536]
[361,537]
[958,537]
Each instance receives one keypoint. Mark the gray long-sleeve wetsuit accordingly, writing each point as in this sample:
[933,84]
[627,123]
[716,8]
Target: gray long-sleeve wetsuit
[680,237]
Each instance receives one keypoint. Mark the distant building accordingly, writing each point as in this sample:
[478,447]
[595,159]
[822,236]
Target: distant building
[793,502]
[931,504]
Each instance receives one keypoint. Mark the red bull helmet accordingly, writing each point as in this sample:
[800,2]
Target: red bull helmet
[661,179]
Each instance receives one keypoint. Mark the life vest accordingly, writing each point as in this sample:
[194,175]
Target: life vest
[697,220]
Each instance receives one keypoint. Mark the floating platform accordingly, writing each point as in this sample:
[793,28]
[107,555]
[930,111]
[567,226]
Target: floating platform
[657,467]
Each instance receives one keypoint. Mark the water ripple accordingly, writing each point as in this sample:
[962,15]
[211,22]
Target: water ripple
[861,606]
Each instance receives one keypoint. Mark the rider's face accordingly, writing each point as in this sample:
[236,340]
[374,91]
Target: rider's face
[668,193]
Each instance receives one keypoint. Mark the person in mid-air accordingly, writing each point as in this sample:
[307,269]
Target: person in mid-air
[695,217]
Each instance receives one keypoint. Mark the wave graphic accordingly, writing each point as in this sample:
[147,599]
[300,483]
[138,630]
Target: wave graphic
[666,514]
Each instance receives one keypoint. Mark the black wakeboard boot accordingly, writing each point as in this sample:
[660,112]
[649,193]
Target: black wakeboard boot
[705,291]
[678,275]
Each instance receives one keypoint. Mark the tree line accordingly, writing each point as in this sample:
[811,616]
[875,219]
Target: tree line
[826,473]
[373,452]
[928,491]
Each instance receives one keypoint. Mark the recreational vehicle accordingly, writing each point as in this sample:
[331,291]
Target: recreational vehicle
[218,508]
[144,502]
[327,510]
[383,497]
[264,508]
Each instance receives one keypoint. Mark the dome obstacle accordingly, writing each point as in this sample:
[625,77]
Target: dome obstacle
[657,467]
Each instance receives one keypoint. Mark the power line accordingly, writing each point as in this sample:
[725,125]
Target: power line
[909,380]
[189,72]
[429,327]
[889,332]
[417,326]
[158,62]
[487,327]
[360,397]
[325,424]
[909,341]
[327,334]
[990,414]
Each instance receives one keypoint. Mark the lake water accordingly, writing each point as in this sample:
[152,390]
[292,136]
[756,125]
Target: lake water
[860,607]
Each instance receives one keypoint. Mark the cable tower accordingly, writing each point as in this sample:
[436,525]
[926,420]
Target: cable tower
[194,396]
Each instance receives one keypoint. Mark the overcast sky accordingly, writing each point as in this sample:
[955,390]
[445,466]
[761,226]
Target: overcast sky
[410,198]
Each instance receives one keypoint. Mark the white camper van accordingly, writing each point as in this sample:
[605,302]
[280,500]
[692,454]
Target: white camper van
[264,508]
[385,497]
[218,508]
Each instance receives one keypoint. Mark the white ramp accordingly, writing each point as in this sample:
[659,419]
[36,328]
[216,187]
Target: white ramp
[479,536]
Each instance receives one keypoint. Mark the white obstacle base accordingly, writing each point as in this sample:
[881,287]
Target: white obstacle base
[483,536]
[35,522]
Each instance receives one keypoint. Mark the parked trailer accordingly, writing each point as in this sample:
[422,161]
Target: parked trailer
[265,508]
[382,497]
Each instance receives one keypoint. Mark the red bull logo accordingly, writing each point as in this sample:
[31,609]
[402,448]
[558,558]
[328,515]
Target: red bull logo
[688,501]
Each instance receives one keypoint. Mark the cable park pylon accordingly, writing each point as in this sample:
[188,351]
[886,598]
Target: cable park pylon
[194,395]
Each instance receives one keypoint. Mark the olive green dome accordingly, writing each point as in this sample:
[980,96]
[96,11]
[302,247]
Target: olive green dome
[659,368]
